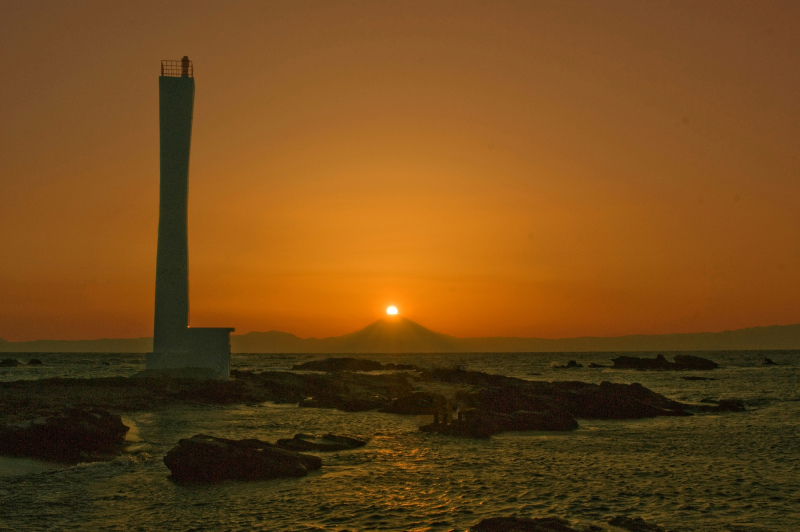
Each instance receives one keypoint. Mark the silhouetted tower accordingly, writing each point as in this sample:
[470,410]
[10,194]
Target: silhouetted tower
[175,345]
[176,105]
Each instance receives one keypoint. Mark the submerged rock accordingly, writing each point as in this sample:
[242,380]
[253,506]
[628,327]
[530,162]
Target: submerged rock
[72,436]
[9,363]
[721,405]
[204,458]
[519,524]
[572,364]
[326,443]
[769,362]
[34,362]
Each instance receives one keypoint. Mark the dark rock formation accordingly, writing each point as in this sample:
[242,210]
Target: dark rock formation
[634,524]
[569,365]
[72,436]
[34,362]
[594,365]
[340,364]
[682,362]
[351,364]
[499,404]
[416,403]
[687,362]
[326,443]
[400,367]
[518,524]
[204,458]
[9,363]
[769,362]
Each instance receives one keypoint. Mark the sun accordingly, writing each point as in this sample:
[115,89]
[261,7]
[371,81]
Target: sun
[391,310]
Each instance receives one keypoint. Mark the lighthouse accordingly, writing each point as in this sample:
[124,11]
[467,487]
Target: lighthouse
[177,348]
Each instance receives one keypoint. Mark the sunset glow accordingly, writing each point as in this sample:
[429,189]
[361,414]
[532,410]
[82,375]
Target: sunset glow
[539,169]
[391,311]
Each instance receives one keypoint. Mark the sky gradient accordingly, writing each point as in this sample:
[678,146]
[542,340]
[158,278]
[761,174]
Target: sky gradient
[540,169]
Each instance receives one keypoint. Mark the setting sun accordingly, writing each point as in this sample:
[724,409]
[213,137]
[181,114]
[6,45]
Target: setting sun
[391,310]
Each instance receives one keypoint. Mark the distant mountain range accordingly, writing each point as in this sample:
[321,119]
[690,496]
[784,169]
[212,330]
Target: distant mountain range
[396,334]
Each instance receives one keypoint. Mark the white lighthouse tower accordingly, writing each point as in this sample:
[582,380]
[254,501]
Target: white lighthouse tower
[178,349]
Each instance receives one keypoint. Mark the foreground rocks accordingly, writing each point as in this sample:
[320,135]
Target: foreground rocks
[71,436]
[207,459]
[462,402]
[682,362]
[497,404]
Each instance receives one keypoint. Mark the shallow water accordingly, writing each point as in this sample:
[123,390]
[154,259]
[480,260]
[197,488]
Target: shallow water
[735,471]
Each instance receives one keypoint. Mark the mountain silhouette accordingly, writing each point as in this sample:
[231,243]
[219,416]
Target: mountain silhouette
[392,334]
[396,334]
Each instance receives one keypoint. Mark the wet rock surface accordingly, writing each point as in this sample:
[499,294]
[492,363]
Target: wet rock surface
[207,459]
[466,402]
[500,404]
[71,436]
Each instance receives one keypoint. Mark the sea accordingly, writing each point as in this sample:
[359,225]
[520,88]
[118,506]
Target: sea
[707,472]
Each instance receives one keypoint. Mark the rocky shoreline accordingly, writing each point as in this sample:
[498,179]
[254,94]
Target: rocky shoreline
[460,402]
[72,420]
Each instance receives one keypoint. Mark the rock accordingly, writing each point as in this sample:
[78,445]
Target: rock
[340,364]
[416,403]
[400,367]
[627,362]
[594,365]
[9,363]
[682,362]
[569,365]
[693,378]
[34,362]
[72,436]
[204,458]
[730,405]
[768,362]
[326,443]
[634,524]
[611,400]
[518,524]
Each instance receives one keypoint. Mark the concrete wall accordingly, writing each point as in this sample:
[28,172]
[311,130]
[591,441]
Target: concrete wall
[176,104]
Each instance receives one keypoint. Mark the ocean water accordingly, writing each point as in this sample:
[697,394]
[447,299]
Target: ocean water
[711,472]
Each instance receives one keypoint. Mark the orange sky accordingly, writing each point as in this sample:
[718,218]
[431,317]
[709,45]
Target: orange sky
[546,169]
